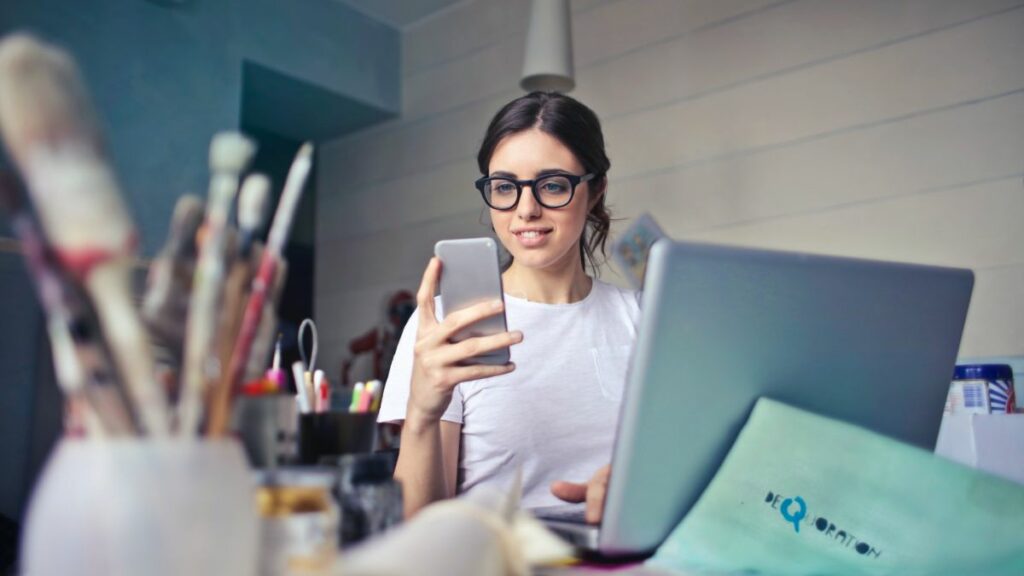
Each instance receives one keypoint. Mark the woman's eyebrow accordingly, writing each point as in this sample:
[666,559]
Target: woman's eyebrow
[544,172]
[551,171]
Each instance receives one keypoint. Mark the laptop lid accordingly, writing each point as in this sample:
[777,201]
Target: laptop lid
[871,343]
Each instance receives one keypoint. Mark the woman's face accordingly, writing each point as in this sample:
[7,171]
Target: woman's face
[539,237]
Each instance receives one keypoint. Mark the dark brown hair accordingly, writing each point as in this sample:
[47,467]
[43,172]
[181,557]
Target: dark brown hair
[578,128]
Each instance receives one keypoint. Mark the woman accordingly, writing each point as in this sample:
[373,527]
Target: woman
[552,411]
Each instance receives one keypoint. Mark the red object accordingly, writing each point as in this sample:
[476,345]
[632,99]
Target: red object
[382,340]
[80,261]
[251,320]
[259,387]
[324,396]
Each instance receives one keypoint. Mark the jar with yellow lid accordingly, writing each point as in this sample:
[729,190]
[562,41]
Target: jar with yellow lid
[299,521]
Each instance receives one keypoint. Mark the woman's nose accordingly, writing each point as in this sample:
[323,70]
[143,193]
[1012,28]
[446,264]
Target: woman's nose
[528,207]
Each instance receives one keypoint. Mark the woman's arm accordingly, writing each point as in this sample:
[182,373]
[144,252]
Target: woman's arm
[428,462]
[429,455]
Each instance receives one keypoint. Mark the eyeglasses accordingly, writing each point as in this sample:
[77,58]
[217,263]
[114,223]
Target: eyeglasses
[550,191]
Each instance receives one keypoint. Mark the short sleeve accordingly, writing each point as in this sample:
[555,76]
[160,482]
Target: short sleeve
[396,390]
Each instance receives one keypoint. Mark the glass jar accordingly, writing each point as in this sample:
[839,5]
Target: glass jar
[298,521]
[982,389]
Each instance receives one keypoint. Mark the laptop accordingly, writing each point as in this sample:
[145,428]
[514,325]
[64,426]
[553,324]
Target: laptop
[870,343]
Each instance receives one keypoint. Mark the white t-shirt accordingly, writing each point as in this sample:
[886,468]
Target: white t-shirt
[556,413]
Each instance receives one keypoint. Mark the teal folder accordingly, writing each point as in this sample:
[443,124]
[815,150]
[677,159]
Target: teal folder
[802,494]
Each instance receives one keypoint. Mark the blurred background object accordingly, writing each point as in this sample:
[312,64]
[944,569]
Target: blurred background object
[370,353]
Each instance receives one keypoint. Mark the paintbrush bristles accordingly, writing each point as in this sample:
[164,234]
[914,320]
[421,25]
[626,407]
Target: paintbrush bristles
[290,196]
[47,121]
[41,97]
[252,202]
[230,152]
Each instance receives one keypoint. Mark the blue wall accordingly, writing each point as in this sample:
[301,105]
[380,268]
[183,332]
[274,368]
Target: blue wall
[164,80]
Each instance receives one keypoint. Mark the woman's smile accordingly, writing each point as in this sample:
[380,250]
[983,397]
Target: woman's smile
[531,237]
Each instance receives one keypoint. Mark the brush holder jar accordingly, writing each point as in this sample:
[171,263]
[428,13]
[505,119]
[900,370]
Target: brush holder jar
[142,506]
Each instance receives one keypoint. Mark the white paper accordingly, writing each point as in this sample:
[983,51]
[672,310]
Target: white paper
[990,442]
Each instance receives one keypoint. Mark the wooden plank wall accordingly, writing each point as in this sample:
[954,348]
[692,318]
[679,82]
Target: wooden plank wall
[890,129]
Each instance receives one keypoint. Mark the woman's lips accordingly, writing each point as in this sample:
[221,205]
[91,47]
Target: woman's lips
[532,238]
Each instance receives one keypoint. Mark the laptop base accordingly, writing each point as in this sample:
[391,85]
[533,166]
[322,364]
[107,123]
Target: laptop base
[586,538]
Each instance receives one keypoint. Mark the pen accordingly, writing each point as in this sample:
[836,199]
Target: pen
[323,398]
[307,382]
[378,392]
[357,392]
[275,374]
[300,387]
[366,400]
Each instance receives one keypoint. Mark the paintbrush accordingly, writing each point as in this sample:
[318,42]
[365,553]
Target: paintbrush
[230,153]
[263,342]
[252,202]
[168,287]
[79,362]
[50,130]
[165,304]
[252,208]
[264,280]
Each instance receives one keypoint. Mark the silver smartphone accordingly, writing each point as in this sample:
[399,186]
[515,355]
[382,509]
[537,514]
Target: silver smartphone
[469,275]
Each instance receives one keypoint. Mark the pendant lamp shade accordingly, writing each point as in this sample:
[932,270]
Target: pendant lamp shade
[548,63]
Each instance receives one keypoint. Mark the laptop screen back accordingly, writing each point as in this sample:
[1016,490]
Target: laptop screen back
[869,343]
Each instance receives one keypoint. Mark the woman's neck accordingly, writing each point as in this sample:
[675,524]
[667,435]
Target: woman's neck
[562,284]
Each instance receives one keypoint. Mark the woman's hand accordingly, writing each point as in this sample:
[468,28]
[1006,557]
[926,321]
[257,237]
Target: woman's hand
[436,369]
[593,493]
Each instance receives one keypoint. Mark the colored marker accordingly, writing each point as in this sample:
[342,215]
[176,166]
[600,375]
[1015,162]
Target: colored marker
[357,392]
[366,400]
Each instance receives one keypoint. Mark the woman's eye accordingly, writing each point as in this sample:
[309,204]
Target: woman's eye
[554,188]
[504,188]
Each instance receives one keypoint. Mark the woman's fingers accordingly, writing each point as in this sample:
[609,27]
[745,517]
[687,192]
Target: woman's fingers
[480,371]
[593,493]
[459,319]
[595,501]
[470,347]
[569,491]
[425,295]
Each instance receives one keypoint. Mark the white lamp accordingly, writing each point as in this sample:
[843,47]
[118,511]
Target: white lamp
[548,62]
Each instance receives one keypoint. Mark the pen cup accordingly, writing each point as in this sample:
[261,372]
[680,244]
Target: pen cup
[268,428]
[134,506]
[327,434]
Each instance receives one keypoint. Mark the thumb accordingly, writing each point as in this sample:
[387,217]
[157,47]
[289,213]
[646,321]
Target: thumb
[569,491]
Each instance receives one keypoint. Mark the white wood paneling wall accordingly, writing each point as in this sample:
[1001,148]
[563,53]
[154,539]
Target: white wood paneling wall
[890,129]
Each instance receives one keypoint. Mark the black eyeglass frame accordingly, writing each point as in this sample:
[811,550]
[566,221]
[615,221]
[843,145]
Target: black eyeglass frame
[574,181]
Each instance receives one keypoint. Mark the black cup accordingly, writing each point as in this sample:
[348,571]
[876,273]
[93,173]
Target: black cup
[327,434]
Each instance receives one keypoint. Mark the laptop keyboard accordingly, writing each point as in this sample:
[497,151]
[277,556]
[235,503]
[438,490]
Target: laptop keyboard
[567,513]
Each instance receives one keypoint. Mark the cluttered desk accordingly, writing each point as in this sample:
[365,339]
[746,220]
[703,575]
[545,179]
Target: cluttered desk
[779,418]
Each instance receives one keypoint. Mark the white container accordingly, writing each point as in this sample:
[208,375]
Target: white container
[137,507]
